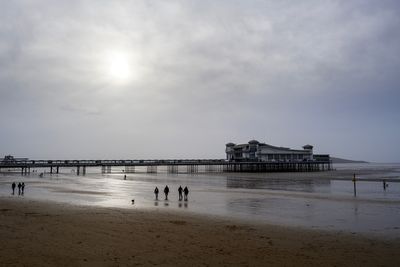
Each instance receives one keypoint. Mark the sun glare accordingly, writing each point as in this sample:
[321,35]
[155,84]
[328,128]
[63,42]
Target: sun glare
[119,67]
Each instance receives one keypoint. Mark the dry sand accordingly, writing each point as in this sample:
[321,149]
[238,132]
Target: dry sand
[48,234]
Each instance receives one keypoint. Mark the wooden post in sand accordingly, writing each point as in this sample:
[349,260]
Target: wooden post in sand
[354,185]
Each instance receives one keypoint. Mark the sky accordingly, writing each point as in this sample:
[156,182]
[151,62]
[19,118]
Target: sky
[179,79]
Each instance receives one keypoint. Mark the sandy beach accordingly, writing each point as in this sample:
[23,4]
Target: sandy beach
[35,233]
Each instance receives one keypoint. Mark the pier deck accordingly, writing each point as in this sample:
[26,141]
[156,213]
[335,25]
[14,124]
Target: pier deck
[173,166]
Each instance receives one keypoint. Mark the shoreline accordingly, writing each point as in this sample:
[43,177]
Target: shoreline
[36,233]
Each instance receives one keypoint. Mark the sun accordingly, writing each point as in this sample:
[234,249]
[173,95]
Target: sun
[119,67]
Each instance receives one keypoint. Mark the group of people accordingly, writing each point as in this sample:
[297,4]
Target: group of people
[180,191]
[21,188]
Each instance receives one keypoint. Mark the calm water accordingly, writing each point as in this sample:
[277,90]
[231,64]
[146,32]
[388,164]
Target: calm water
[312,200]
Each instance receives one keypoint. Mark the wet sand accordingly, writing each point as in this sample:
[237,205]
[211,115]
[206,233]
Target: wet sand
[35,233]
[315,200]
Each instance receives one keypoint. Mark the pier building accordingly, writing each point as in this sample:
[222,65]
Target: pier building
[254,151]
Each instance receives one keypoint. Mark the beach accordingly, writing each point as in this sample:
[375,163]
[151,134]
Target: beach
[315,200]
[244,219]
[36,233]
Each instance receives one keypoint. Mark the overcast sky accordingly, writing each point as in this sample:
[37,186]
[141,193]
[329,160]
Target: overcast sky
[179,79]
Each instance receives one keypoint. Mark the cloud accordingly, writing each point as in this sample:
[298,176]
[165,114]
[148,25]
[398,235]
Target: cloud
[206,70]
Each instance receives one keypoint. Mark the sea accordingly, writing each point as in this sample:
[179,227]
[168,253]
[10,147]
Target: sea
[328,200]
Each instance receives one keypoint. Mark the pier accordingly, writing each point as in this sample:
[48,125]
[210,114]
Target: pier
[172,166]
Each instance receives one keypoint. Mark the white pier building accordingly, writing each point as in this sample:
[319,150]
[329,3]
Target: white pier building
[262,152]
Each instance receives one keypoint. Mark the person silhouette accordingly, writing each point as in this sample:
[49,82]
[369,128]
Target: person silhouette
[166,191]
[22,188]
[186,191]
[180,192]
[385,185]
[13,187]
[19,188]
[156,192]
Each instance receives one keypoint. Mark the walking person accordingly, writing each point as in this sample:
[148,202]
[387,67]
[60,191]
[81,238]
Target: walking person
[19,189]
[22,188]
[385,185]
[166,191]
[180,192]
[13,187]
[156,192]
[186,191]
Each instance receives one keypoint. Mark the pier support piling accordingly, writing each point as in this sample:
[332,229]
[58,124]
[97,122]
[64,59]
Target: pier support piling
[130,169]
[152,169]
[172,169]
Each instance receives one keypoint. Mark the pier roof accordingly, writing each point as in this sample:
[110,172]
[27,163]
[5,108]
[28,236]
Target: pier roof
[239,146]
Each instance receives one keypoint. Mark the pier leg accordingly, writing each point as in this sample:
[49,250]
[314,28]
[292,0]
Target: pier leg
[191,168]
[130,169]
[208,168]
[78,170]
[173,169]
[354,185]
[84,170]
[151,169]
[58,169]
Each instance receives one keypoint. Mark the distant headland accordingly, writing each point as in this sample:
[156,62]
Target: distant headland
[340,160]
